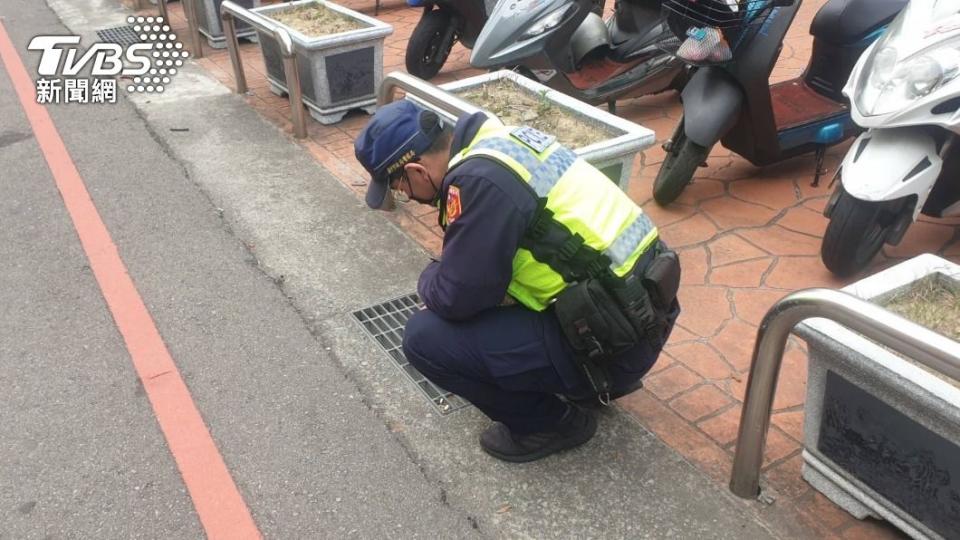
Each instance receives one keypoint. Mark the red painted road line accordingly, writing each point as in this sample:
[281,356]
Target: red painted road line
[222,511]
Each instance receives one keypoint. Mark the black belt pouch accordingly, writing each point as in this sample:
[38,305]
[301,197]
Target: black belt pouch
[592,321]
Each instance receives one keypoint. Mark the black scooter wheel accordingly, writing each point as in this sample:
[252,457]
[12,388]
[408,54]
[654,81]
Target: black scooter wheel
[676,171]
[425,56]
[856,232]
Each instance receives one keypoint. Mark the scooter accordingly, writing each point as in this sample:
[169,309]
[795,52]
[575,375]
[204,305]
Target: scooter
[566,45]
[443,23]
[906,92]
[729,98]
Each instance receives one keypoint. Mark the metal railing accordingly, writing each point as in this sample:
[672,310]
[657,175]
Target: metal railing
[229,12]
[874,322]
[190,12]
[425,91]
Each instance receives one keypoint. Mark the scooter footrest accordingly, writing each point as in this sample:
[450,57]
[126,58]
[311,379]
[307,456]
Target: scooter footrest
[795,103]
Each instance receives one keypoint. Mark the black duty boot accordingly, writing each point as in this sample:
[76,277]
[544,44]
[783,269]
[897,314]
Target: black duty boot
[576,427]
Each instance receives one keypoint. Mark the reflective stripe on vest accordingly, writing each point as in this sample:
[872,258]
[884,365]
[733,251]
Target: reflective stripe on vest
[544,175]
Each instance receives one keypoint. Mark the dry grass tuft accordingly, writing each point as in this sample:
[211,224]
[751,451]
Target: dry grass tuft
[516,106]
[316,20]
[931,303]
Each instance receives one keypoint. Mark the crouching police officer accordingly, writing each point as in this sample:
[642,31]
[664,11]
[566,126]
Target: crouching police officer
[552,282]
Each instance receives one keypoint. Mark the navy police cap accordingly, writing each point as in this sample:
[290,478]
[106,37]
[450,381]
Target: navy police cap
[397,133]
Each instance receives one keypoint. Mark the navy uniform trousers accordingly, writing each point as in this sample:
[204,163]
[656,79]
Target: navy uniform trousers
[511,362]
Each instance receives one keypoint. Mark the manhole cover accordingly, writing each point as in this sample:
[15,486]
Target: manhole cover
[121,35]
[384,323]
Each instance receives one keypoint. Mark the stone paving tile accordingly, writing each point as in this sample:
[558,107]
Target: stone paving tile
[663,216]
[701,358]
[779,447]
[752,304]
[830,514]
[774,193]
[700,402]
[801,273]
[700,191]
[779,241]
[804,220]
[747,236]
[693,262]
[870,529]
[693,230]
[735,343]
[671,381]
[678,433]
[791,386]
[791,422]
[729,213]
[741,274]
[681,334]
[730,248]
[785,475]
[722,427]
[704,309]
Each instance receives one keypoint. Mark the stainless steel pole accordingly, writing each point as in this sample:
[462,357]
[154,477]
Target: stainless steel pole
[428,92]
[190,12]
[230,32]
[162,6]
[292,74]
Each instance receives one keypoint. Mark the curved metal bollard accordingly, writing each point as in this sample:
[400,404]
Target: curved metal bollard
[874,322]
[428,92]
[190,12]
[229,11]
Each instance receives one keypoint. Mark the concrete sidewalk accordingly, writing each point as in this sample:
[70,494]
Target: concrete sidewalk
[251,258]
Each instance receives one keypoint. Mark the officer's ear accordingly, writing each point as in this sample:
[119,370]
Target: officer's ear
[416,172]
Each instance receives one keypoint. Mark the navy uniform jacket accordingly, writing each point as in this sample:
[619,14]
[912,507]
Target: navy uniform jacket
[476,266]
[479,245]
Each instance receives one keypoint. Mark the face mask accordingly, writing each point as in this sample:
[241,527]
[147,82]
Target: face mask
[436,194]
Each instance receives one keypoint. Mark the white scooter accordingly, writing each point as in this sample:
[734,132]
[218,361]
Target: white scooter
[905,90]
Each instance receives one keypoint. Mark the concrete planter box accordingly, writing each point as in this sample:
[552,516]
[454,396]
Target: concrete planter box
[338,72]
[210,25]
[613,156]
[881,434]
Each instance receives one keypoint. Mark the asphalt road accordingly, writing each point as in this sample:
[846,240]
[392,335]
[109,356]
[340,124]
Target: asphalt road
[81,453]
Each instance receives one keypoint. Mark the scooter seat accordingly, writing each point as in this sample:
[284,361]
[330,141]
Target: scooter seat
[846,22]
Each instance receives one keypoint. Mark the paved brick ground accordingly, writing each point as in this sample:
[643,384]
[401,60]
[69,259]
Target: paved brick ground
[747,237]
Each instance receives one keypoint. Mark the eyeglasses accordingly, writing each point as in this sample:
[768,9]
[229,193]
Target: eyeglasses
[399,194]
[394,183]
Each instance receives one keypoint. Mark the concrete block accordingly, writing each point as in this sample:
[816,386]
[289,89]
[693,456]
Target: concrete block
[881,433]
[613,156]
[339,72]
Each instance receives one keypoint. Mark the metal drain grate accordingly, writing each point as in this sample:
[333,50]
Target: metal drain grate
[384,323]
[121,35]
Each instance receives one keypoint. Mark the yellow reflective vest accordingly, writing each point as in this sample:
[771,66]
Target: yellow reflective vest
[580,197]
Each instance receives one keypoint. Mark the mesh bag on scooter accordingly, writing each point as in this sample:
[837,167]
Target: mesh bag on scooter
[710,30]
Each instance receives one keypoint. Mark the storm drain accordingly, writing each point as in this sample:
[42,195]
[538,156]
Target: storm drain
[385,323]
[121,35]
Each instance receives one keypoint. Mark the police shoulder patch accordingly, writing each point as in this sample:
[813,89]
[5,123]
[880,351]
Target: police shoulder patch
[535,139]
[453,204]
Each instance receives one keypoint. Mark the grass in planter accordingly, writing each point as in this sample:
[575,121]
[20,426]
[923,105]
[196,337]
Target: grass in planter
[934,304]
[516,106]
[931,303]
[316,20]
